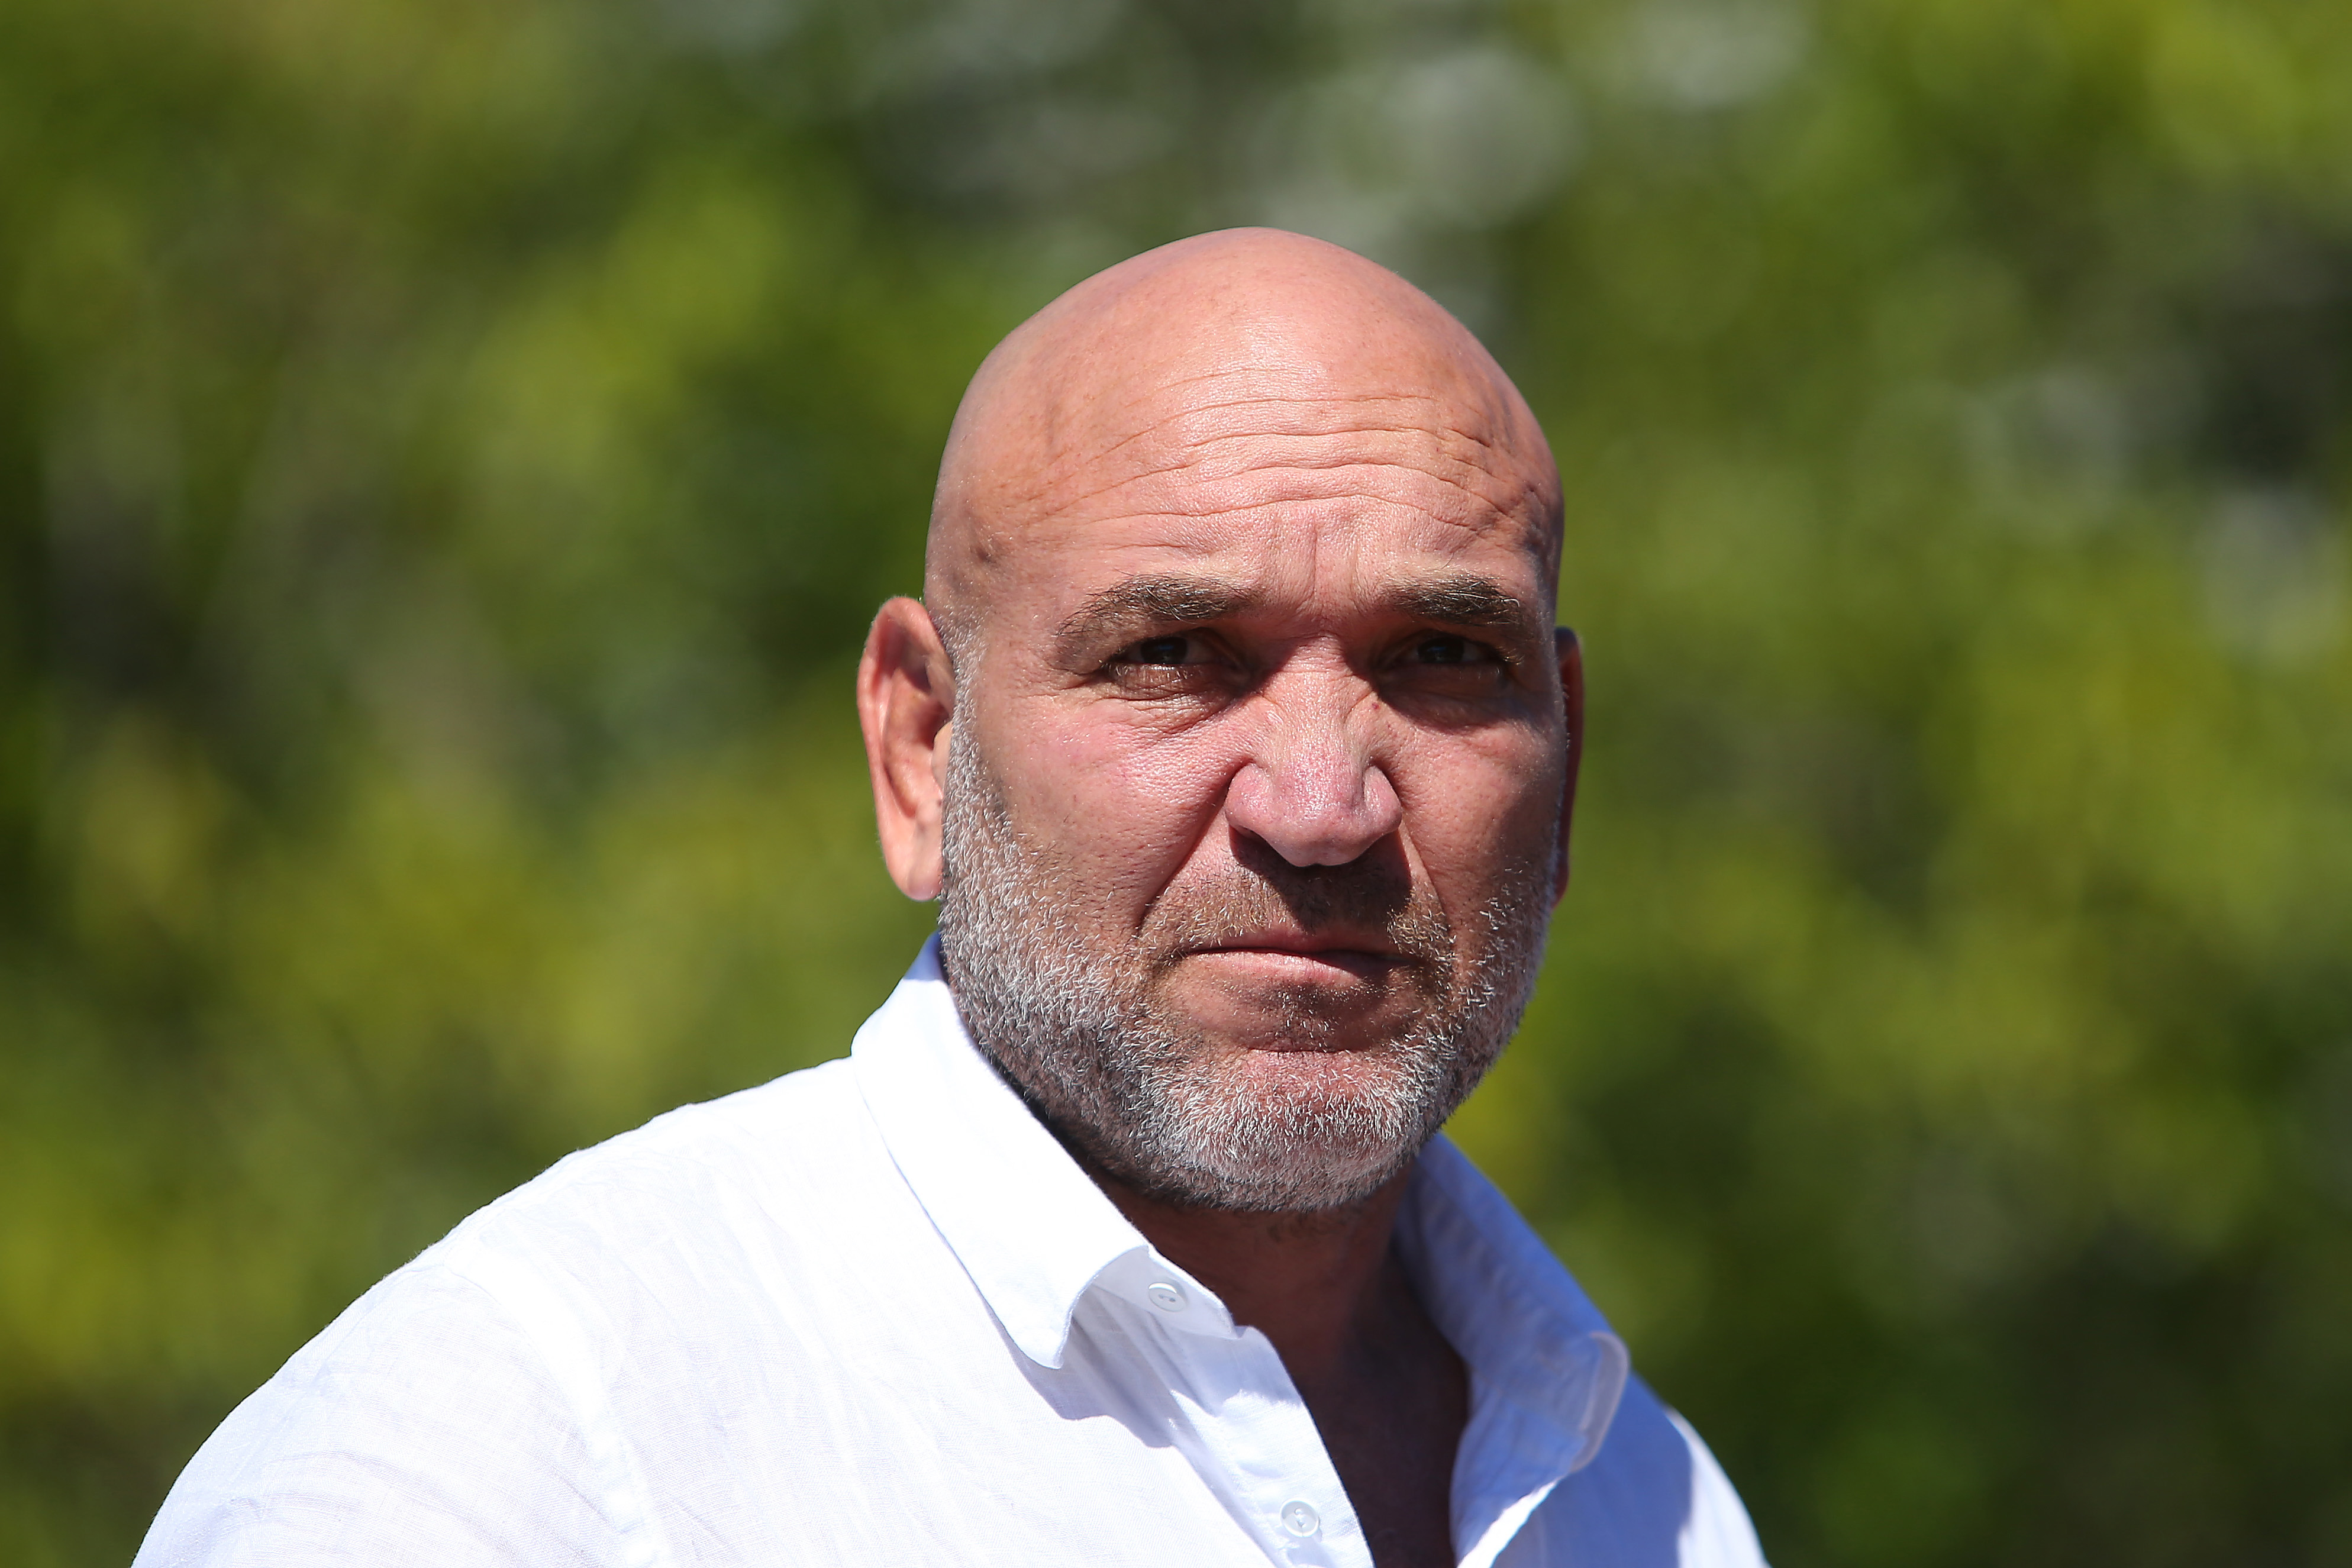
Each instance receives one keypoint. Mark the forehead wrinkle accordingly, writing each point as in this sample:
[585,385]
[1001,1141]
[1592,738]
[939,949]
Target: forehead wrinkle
[1444,454]
[1165,402]
[1215,458]
[1203,413]
[1438,399]
[1252,490]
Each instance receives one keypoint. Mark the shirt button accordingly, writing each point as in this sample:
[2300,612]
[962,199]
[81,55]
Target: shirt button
[1166,1296]
[1300,1520]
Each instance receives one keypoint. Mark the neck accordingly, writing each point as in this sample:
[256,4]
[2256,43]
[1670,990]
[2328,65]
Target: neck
[1319,1286]
[1390,1398]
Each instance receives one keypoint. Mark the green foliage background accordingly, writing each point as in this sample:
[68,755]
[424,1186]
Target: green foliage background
[449,450]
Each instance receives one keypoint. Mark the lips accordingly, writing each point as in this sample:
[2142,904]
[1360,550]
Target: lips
[1303,956]
[1306,944]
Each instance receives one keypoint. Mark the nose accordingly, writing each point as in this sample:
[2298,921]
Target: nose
[1310,790]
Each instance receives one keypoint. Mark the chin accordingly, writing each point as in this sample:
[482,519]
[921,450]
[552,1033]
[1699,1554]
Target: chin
[1299,1020]
[1336,1079]
[1290,1132]
[1305,1175]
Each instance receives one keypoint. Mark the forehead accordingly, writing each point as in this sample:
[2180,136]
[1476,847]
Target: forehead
[1310,492]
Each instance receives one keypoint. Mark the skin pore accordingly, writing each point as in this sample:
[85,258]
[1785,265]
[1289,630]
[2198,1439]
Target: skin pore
[1235,726]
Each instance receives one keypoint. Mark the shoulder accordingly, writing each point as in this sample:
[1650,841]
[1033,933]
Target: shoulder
[753,1158]
[690,1221]
[470,1393]
[420,1406]
[750,1136]
[635,1204]
[541,1279]
[1653,1497]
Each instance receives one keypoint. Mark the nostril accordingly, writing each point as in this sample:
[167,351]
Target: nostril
[1314,817]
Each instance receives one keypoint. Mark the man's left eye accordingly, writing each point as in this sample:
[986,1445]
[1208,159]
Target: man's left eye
[1446,650]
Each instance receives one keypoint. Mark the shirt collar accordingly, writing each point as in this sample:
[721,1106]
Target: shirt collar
[1505,1302]
[1029,1225]
[1035,1233]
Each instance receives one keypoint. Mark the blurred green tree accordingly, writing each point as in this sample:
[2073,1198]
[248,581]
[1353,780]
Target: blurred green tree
[448,452]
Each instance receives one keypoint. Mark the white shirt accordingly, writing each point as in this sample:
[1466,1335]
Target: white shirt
[873,1314]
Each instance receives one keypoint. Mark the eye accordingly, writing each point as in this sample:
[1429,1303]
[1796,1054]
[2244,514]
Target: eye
[1189,666]
[1161,651]
[1449,650]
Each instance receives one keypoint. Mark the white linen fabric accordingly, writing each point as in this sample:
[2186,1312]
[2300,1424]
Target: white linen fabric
[873,1313]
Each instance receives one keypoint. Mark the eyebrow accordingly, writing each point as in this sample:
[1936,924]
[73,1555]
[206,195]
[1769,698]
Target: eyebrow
[1124,610]
[1129,609]
[1472,603]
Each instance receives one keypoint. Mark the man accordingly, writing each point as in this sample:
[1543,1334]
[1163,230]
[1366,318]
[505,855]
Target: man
[1234,735]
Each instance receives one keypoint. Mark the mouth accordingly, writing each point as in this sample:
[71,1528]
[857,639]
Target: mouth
[1306,956]
[1282,990]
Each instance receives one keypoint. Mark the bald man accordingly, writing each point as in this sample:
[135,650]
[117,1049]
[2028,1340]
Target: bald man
[1235,736]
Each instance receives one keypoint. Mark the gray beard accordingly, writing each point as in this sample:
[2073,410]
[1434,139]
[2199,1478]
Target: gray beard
[1083,1035]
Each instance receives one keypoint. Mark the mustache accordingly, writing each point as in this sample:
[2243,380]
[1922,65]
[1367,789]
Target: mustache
[1360,898]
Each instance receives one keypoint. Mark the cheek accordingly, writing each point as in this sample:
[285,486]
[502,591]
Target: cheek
[1121,805]
[1475,808]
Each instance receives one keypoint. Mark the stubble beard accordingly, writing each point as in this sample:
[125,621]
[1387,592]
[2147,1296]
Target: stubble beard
[1082,1031]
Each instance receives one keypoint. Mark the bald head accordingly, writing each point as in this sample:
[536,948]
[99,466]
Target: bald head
[1211,375]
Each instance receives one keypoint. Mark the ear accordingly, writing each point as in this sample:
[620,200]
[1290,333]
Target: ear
[906,705]
[1571,696]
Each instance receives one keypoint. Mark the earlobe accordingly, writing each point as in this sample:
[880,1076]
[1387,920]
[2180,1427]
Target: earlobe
[906,705]
[1572,698]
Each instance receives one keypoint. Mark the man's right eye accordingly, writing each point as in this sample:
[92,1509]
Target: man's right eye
[1180,666]
[1161,650]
